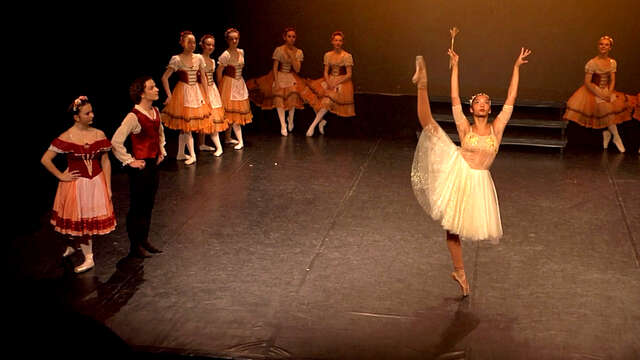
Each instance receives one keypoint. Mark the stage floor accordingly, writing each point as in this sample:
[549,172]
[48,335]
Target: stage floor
[315,248]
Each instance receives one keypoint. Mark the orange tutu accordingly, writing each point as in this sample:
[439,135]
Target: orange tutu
[635,100]
[83,207]
[263,93]
[584,109]
[235,111]
[217,116]
[176,116]
[338,101]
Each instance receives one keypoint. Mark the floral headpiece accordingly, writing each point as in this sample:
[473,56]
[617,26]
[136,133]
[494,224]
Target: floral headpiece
[229,31]
[479,94]
[78,102]
[607,37]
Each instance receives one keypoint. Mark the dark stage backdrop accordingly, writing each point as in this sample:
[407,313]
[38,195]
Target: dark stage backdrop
[385,36]
[98,50]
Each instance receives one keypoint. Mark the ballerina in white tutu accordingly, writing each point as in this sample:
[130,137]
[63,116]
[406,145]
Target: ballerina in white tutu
[452,183]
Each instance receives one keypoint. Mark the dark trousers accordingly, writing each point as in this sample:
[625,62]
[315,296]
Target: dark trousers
[143,185]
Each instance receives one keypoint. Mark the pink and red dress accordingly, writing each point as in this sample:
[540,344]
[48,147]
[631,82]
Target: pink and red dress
[83,207]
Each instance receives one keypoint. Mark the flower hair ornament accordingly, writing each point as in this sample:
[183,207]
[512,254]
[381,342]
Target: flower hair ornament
[607,37]
[184,34]
[337,33]
[229,31]
[78,102]
[479,94]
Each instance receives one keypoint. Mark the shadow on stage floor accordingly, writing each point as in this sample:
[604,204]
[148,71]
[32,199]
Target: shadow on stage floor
[315,248]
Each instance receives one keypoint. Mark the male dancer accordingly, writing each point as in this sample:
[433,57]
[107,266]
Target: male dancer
[144,127]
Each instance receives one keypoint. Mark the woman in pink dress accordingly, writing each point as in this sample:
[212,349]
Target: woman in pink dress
[82,207]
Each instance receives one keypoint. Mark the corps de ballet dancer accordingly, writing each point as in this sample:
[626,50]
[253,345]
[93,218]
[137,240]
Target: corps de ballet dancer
[596,104]
[334,91]
[207,43]
[453,184]
[186,108]
[82,207]
[281,87]
[234,92]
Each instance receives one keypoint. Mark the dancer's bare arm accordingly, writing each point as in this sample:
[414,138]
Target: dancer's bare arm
[462,123]
[503,118]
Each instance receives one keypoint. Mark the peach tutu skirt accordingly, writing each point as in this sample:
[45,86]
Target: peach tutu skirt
[263,93]
[585,109]
[463,200]
[83,207]
[338,101]
[217,112]
[177,116]
[235,111]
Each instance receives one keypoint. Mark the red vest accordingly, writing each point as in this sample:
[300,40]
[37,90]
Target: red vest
[146,143]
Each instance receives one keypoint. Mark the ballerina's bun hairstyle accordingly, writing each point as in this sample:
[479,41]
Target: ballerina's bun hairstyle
[77,104]
[229,31]
[287,29]
[205,37]
[607,37]
[137,89]
[184,34]
[336,33]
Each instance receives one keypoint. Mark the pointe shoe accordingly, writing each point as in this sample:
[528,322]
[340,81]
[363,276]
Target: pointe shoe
[321,126]
[290,125]
[150,248]
[86,265]
[206,148]
[461,279]
[182,157]
[68,251]
[310,132]
[618,141]
[606,137]
[420,77]
[239,146]
[218,152]
[283,131]
[190,160]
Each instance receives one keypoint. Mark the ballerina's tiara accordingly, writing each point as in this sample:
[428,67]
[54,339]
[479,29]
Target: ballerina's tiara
[479,94]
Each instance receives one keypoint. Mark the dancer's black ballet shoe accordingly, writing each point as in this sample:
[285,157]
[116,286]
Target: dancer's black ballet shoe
[461,279]
[150,248]
[139,253]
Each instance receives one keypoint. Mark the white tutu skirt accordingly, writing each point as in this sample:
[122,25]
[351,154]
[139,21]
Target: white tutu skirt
[462,199]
